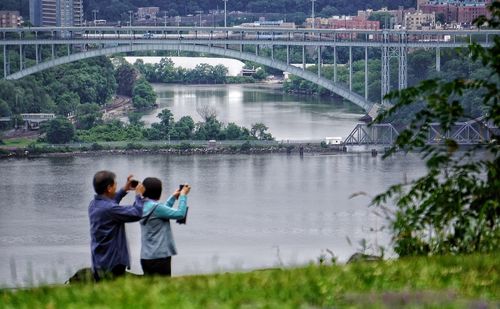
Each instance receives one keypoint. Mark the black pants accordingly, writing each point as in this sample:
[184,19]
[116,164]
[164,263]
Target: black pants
[161,267]
[117,271]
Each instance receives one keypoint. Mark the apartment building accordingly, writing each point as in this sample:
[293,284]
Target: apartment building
[344,22]
[61,13]
[149,12]
[10,19]
[419,21]
[457,11]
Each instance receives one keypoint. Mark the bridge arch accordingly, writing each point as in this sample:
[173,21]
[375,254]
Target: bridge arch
[280,65]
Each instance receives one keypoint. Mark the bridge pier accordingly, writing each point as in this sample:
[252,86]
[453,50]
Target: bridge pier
[386,72]
[388,53]
[20,57]
[438,59]
[403,70]
[288,54]
[5,61]
[319,61]
[350,68]
[334,63]
[366,73]
[303,57]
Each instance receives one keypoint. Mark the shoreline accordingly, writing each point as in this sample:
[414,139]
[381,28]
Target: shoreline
[180,150]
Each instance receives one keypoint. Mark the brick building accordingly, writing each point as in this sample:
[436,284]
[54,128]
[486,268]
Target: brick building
[344,22]
[456,11]
[149,12]
[10,19]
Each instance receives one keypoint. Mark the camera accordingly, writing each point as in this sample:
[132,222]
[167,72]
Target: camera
[183,220]
[134,183]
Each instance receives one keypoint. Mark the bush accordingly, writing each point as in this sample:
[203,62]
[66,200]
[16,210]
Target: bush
[185,146]
[60,131]
[131,146]
[96,147]
[246,146]
[455,207]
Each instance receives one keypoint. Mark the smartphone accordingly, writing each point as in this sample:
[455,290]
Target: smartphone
[134,183]
[183,220]
[180,187]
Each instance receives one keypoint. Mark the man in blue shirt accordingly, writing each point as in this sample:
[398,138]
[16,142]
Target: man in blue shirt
[110,255]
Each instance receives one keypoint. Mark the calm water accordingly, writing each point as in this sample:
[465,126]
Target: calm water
[245,211]
[289,117]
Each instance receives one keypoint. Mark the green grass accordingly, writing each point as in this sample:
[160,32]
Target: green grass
[437,282]
[17,142]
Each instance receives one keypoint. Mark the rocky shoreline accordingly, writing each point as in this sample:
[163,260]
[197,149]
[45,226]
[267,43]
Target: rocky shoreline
[194,150]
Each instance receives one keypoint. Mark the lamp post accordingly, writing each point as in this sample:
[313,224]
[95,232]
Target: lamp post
[94,13]
[199,13]
[130,18]
[165,19]
[225,14]
[312,13]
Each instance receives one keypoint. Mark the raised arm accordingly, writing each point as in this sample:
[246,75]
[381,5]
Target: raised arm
[119,195]
[165,211]
[129,213]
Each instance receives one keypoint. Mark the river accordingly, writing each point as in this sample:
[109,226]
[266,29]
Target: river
[289,117]
[246,211]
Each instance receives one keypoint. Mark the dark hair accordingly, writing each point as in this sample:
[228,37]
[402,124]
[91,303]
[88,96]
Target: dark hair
[102,180]
[153,188]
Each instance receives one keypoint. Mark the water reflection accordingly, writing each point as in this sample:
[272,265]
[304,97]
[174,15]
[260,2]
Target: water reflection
[243,208]
[288,117]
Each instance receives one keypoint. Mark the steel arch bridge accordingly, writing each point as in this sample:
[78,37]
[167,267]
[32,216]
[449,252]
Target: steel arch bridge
[310,76]
[230,42]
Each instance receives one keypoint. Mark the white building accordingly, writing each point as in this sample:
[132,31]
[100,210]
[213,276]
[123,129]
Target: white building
[419,21]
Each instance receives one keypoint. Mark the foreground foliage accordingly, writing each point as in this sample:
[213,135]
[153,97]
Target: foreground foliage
[453,281]
[455,207]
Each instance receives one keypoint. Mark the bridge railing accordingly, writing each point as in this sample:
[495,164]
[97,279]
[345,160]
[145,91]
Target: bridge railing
[249,34]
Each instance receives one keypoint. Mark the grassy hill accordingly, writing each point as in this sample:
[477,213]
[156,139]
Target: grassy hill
[430,282]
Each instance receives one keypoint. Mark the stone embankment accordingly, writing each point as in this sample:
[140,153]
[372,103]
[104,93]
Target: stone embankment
[58,152]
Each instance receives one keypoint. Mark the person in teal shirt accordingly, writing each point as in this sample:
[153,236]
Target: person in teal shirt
[158,244]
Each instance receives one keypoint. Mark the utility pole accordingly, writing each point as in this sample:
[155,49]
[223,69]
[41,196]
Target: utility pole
[94,13]
[312,13]
[199,13]
[165,19]
[225,14]
[130,18]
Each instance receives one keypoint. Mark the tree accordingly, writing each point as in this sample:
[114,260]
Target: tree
[219,73]
[184,128]
[60,131]
[258,131]
[88,115]
[125,76]
[206,111]
[455,207]
[143,95]
[166,124]
[67,103]
[233,131]
[135,119]
[4,109]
